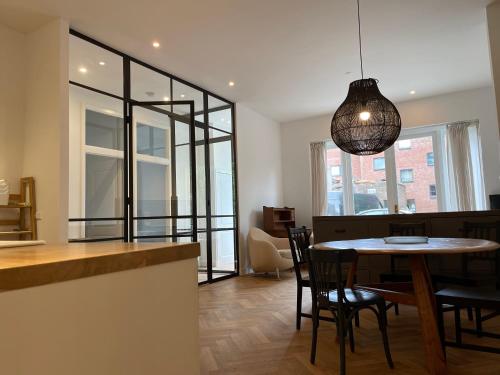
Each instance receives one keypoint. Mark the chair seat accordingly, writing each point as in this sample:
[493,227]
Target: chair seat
[285,253]
[356,297]
[470,296]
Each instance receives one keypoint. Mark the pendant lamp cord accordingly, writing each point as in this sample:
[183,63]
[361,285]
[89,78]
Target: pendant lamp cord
[359,39]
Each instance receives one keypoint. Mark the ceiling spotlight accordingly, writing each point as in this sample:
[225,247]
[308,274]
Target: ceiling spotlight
[182,95]
[231,83]
[412,92]
[82,70]
[166,98]
[102,63]
[156,44]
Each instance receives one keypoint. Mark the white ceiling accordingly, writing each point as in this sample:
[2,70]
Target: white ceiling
[290,58]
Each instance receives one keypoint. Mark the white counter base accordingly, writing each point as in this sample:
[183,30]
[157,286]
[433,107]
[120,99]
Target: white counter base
[142,321]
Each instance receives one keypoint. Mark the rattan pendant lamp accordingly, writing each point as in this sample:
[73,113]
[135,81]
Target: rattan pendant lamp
[366,123]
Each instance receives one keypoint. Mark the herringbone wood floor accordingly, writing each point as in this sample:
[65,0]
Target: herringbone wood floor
[247,326]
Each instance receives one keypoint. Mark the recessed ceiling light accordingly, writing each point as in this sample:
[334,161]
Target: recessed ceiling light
[182,95]
[166,98]
[82,69]
[102,63]
[109,111]
[412,92]
[231,83]
[156,44]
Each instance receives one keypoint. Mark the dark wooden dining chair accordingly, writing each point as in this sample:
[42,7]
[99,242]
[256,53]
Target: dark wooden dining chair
[460,298]
[326,266]
[486,231]
[399,274]
[299,242]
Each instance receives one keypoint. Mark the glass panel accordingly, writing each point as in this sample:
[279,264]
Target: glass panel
[202,259]
[95,229]
[416,175]
[221,178]
[153,191]
[95,120]
[335,183]
[151,141]
[222,222]
[212,133]
[177,228]
[148,85]
[222,253]
[103,186]
[200,173]
[369,185]
[103,130]
[95,67]
[221,120]
[184,92]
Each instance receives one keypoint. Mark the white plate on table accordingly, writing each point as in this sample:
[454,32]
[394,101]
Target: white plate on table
[407,240]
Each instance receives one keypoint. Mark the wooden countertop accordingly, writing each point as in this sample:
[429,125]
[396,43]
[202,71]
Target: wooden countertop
[23,267]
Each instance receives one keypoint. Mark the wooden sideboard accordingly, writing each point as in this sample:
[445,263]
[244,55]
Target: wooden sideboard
[440,224]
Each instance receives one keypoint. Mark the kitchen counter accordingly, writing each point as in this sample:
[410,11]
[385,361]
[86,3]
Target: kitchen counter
[22,267]
[99,308]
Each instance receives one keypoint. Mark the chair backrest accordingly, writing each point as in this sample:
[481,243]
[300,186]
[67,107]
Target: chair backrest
[299,243]
[407,229]
[482,230]
[325,270]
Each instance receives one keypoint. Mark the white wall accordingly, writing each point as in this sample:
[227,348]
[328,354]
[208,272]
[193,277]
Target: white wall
[493,17]
[259,170]
[12,106]
[466,105]
[46,126]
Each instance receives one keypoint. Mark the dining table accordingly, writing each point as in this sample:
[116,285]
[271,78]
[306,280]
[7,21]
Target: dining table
[419,292]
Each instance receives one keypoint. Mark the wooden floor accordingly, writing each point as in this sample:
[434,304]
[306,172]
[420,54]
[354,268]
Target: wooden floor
[247,326]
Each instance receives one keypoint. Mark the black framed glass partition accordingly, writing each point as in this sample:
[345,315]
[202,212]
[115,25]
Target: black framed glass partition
[152,158]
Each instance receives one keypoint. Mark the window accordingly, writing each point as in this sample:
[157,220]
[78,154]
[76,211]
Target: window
[404,144]
[415,162]
[411,204]
[432,191]
[430,159]
[406,176]
[336,171]
[381,182]
[378,164]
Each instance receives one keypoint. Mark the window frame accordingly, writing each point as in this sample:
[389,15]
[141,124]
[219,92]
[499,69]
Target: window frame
[378,169]
[407,170]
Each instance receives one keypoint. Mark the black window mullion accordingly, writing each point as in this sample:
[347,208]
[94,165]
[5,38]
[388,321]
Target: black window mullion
[208,191]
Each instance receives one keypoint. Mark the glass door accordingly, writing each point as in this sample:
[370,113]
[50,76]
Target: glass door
[161,179]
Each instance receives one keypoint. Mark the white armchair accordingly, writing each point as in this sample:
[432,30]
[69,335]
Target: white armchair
[267,253]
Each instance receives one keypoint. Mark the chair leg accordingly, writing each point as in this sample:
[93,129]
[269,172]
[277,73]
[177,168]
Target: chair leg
[479,322]
[278,273]
[396,309]
[382,324]
[458,326]
[440,318]
[351,337]
[470,315]
[315,319]
[299,307]
[356,319]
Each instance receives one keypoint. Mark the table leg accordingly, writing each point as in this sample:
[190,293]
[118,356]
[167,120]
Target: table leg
[426,304]
[352,273]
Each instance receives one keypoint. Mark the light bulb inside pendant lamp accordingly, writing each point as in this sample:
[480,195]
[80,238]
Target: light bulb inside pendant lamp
[366,123]
[364,116]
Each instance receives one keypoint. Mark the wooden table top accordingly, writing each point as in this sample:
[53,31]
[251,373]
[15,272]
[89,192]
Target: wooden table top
[22,267]
[373,246]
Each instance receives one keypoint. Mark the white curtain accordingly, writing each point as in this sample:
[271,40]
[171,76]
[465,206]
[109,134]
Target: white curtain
[318,174]
[460,165]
